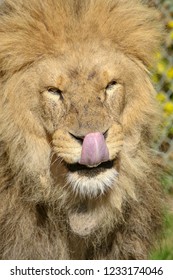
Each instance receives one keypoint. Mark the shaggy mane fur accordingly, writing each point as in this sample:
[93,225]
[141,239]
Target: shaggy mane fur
[133,28]
[40,217]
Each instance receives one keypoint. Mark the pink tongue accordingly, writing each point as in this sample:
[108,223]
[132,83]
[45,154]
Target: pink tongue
[94,150]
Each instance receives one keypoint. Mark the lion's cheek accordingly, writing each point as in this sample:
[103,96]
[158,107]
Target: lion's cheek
[65,148]
[114,147]
[68,155]
[114,141]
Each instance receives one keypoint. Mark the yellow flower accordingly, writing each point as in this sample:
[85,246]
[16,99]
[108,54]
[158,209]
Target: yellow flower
[170,24]
[161,67]
[158,55]
[155,78]
[161,97]
[168,108]
[170,73]
[171,35]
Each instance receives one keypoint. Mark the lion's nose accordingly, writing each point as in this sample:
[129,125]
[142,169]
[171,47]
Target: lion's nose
[77,137]
[80,138]
[105,134]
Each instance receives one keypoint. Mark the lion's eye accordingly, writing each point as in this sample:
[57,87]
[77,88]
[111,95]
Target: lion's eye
[110,88]
[55,91]
[111,85]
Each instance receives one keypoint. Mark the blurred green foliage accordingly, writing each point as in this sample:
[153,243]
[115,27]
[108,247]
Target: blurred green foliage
[165,247]
[163,79]
[163,75]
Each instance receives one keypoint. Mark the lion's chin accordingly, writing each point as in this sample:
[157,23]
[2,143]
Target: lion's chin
[92,182]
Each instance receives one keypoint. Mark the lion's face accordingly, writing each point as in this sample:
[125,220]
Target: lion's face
[78,101]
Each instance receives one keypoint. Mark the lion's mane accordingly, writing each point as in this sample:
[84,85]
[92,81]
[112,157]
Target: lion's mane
[40,216]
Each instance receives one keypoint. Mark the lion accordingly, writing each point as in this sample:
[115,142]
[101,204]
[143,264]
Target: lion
[78,175]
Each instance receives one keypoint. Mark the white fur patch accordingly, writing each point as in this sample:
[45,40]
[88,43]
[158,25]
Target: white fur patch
[94,186]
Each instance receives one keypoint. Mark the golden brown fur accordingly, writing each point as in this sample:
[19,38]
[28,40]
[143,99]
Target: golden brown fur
[78,47]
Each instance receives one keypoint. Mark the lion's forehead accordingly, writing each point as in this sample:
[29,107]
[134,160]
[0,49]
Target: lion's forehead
[82,67]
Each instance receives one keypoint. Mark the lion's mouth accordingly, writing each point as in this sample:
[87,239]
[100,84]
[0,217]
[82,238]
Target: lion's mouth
[90,171]
[93,181]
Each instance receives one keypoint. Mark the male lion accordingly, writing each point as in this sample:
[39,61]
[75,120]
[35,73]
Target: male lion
[77,115]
